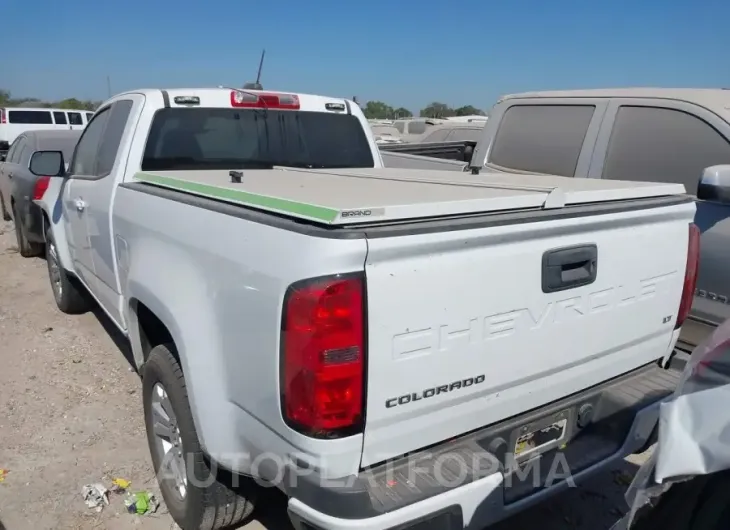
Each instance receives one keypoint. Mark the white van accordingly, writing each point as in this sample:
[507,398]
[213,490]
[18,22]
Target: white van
[16,120]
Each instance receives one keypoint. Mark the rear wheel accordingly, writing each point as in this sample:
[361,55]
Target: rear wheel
[196,496]
[69,295]
[3,212]
[26,248]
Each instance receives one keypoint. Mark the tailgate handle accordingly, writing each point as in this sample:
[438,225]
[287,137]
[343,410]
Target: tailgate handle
[569,267]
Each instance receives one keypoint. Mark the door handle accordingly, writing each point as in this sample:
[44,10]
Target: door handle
[80,205]
[569,267]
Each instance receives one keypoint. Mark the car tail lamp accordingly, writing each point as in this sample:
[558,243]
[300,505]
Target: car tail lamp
[3,116]
[322,365]
[41,185]
[690,275]
[263,100]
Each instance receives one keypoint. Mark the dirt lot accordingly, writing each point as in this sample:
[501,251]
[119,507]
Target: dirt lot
[72,415]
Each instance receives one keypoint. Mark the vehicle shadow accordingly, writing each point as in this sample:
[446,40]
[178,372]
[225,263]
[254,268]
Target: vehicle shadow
[594,504]
[119,340]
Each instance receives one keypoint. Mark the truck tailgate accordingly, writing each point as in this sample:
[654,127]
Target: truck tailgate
[462,333]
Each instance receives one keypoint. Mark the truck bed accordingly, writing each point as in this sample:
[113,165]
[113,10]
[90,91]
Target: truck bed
[340,197]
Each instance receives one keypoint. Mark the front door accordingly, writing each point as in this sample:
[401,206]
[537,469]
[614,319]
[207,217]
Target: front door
[96,194]
[81,170]
[674,141]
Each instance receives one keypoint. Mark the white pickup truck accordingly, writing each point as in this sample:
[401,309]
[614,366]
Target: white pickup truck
[389,347]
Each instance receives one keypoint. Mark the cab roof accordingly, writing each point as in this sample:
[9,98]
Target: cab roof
[716,100]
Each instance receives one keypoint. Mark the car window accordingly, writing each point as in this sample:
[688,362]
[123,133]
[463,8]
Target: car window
[89,115]
[542,138]
[22,153]
[65,144]
[464,134]
[60,118]
[112,137]
[74,118]
[662,145]
[416,127]
[436,136]
[224,138]
[30,116]
[25,153]
[84,162]
[399,125]
[13,149]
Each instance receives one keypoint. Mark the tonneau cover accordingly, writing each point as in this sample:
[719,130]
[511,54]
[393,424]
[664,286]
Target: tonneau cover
[349,196]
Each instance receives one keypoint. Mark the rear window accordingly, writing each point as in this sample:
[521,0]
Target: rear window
[60,118]
[221,138]
[542,138]
[74,118]
[464,135]
[29,116]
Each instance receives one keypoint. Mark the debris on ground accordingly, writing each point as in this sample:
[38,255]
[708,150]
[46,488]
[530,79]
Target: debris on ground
[141,503]
[120,485]
[3,474]
[96,496]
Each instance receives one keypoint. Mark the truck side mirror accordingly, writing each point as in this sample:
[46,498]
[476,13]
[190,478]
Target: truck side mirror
[47,164]
[715,184]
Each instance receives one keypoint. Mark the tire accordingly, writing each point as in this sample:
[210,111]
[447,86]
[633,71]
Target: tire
[3,212]
[26,248]
[69,294]
[701,503]
[220,500]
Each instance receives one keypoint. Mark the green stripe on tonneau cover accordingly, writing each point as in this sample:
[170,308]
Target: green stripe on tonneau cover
[302,209]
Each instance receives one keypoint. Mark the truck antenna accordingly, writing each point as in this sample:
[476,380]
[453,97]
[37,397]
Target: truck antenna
[257,84]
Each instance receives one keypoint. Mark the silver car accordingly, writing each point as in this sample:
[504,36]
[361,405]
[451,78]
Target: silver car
[19,187]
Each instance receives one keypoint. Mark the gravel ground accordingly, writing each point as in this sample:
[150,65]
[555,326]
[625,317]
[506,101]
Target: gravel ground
[72,416]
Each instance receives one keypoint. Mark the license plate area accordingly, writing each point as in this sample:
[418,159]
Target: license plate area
[541,435]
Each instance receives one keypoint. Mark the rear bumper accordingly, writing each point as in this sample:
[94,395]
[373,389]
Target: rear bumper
[694,331]
[469,481]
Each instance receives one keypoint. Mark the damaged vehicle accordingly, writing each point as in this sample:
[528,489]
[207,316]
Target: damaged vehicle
[685,485]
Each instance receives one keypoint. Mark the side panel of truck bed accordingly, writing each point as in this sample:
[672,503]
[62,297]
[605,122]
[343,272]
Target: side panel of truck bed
[462,334]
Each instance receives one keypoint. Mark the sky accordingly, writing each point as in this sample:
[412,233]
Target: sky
[403,52]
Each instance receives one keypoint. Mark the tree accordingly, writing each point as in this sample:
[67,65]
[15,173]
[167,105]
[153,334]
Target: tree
[401,112]
[468,110]
[7,100]
[377,110]
[437,110]
[69,103]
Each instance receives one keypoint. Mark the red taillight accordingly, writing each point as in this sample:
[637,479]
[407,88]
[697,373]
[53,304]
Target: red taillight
[690,275]
[3,117]
[323,356]
[261,100]
[41,185]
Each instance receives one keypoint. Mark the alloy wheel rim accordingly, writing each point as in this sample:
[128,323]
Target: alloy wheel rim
[168,440]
